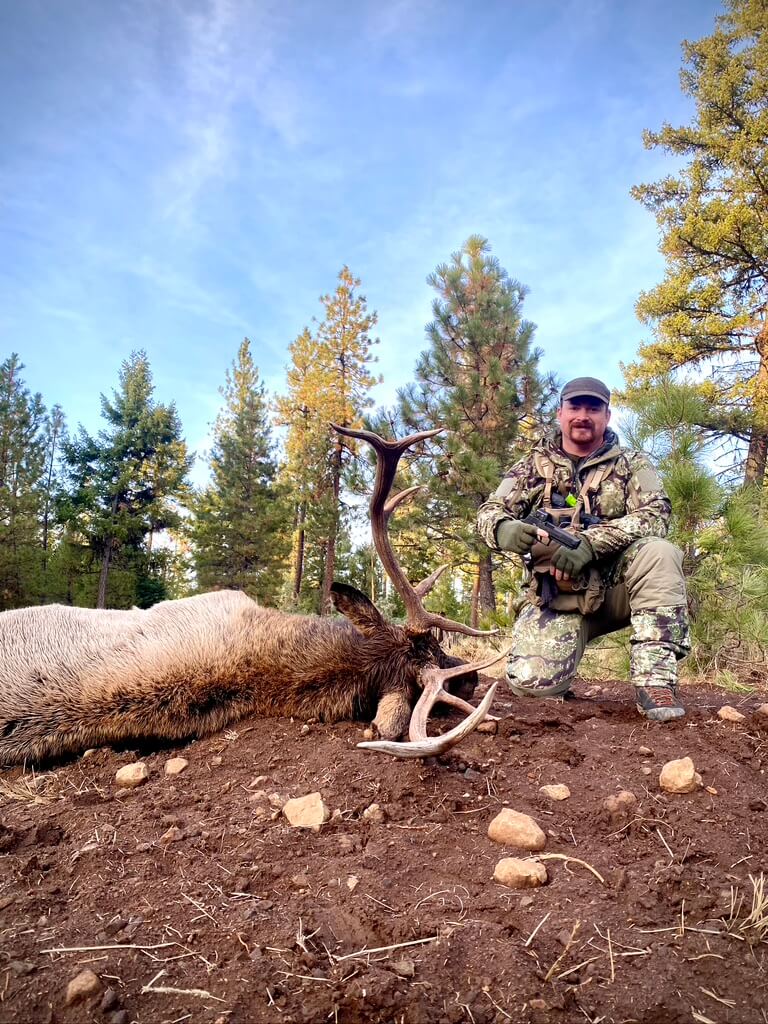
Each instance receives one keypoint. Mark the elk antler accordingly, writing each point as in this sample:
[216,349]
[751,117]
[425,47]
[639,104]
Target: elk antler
[418,619]
[388,455]
[421,745]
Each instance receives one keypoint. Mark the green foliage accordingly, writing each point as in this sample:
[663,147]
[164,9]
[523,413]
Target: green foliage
[22,460]
[238,522]
[709,313]
[123,485]
[479,380]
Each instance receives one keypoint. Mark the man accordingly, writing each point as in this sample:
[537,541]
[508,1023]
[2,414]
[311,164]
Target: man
[622,573]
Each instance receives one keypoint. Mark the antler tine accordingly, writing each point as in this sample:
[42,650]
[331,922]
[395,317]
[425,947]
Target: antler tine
[422,745]
[388,455]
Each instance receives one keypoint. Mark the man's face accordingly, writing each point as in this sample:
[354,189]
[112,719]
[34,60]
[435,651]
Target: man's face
[583,421]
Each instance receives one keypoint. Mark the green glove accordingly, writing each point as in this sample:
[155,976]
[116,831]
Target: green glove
[514,535]
[573,563]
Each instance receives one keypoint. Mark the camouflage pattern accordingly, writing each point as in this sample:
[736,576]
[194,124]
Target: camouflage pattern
[659,640]
[546,649]
[630,497]
[547,645]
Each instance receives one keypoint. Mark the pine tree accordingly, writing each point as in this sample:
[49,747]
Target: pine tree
[479,380]
[22,423]
[123,485]
[239,526]
[328,382]
[711,310]
[55,437]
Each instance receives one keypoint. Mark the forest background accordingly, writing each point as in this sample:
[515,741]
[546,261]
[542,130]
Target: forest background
[110,518]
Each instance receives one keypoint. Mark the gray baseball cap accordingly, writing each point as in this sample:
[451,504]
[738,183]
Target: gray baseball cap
[586,387]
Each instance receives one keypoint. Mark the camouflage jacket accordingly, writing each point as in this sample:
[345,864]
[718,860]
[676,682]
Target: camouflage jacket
[630,497]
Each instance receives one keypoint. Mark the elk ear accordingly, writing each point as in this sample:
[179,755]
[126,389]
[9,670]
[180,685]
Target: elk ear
[362,613]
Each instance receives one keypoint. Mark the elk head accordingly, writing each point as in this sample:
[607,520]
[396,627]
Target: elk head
[433,676]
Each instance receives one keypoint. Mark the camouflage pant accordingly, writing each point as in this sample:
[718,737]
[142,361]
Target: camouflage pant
[646,590]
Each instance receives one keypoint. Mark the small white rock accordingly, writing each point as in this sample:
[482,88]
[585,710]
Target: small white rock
[352,882]
[593,691]
[375,814]
[176,765]
[558,791]
[132,775]
[645,751]
[173,835]
[83,986]
[489,725]
[307,811]
[520,874]
[511,828]
[729,714]
[762,710]
[621,802]
[679,776]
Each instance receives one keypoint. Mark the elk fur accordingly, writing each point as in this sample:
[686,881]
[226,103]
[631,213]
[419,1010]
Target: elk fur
[73,678]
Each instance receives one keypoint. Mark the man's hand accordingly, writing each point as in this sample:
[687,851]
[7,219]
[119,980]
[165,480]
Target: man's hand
[566,564]
[516,536]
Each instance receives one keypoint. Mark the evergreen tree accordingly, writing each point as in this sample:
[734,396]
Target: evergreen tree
[22,453]
[711,310]
[123,485]
[239,524]
[328,382]
[55,437]
[479,380]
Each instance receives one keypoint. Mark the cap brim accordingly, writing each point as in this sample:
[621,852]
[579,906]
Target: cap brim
[587,394]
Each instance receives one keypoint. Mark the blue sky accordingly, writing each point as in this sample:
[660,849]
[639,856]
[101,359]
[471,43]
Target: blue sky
[178,174]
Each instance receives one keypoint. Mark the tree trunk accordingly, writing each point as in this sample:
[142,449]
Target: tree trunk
[298,552]
[101,597]
[474,617]
[757,455]
[486,588]
[326,606]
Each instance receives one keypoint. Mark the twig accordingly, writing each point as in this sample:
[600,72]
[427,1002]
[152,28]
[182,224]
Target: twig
[666,844]
[610,955]
[529,940]
[576,860]
[90,949]
[576,968]
[385,949]
[200,908]
[200,993]
[713,995]
[568,945]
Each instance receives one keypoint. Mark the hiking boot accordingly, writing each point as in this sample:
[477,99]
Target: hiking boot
[658,703]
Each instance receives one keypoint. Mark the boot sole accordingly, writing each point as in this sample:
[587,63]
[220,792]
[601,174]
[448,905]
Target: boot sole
[661,714]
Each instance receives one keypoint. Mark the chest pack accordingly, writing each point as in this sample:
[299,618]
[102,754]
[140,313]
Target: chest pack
[585,593]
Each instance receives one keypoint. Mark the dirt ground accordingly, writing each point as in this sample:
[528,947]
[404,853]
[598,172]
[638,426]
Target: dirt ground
[193,899]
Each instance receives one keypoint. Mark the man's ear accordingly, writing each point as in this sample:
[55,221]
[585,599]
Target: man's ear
[362,613]
[608,414]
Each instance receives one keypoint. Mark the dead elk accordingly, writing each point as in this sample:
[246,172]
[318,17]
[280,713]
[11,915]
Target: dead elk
[73,678]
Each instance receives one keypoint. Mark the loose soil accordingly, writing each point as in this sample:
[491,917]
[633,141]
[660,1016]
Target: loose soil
[237,917]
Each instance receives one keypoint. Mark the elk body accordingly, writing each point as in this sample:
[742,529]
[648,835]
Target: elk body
[73,678]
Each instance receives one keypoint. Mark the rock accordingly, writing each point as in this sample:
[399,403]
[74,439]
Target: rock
[404,968]
[176,765]
[646,770]
[520,874]
[473,776]
[21,968]
[645,751]
[558,791]
[679,776]
[132,775]
[276,800]
[300,881]
[593,691]
[216,761]
[305,730]
[307,811]
[83,986]
[539,1004]
[621,803]
[375,814]
[511,828]
[492,727]
[729,714]
[109,1001]
[173,835]
[119,1017]
[762,710]
[352,882]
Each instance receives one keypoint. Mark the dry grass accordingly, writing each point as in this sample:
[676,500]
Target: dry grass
[30,788]
[748,918]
